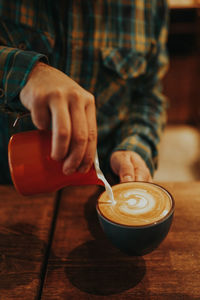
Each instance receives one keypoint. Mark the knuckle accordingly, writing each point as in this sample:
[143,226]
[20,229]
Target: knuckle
[62,134]
[82,96]
[75,94]
[92,135]
[90,98]
[80,138]
[38,94]
[56,93]
[39,100]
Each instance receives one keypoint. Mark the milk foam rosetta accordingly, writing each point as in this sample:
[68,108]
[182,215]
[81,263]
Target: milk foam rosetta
[136,203]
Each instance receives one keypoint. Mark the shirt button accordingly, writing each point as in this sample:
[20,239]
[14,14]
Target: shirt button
[1,93]
[22,46]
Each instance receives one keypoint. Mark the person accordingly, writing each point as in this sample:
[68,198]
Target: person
[91,71]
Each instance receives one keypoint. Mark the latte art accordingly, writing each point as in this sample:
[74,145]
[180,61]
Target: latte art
[136,203]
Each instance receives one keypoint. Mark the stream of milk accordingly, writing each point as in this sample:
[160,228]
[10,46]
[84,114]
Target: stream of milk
[102,177]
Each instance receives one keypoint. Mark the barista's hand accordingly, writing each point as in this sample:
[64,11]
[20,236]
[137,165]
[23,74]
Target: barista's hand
[129,166]
[56,101]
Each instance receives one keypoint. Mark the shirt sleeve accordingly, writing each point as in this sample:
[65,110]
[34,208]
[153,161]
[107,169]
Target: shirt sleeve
[147,114]
[15,67]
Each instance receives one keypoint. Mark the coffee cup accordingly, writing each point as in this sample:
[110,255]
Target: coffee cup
[139,219]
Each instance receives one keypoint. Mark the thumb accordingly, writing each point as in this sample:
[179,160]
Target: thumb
[126,172]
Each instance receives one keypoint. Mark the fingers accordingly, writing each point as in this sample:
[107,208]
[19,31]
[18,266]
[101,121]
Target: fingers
[79,138]
[129,166]
[61,128]
[41,116]
[142,173]
[92,139]
[74,133]
[126,170]
[122,166]
[55,99]
[83,137]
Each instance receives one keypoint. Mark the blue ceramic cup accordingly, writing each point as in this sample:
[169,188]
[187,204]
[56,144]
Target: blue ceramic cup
[140,219]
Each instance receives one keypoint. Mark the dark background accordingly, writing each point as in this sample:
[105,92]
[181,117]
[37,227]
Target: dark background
[182,82]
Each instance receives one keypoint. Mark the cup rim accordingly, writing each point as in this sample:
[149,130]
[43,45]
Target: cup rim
[171,211]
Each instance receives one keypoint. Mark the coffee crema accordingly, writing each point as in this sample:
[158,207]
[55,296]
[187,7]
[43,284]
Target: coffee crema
[136,204]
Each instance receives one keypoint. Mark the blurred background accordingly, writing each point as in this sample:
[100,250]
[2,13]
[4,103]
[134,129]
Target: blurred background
[180,147]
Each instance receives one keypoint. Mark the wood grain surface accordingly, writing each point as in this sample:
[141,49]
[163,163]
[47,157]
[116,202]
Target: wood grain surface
[84,265]
[25,224]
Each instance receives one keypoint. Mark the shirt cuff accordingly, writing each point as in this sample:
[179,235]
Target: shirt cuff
[17,68]
[138,145]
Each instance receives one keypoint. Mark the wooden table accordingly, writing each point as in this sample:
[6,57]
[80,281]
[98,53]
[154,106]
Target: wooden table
[52,247]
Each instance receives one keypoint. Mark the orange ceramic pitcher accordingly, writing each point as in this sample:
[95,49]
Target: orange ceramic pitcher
[32,169]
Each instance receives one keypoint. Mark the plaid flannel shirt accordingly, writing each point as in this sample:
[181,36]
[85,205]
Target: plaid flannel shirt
[114,49]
